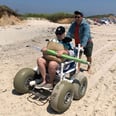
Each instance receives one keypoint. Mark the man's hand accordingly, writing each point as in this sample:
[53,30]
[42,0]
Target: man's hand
[82,49]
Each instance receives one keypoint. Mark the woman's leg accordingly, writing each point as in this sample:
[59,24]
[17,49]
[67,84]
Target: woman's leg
[42,68]
[52,67]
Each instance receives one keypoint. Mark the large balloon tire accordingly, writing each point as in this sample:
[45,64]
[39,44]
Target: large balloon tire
[62,96]
[80,86]
[22,79]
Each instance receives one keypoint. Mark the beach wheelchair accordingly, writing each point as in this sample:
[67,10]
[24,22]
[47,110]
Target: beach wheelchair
[68,85]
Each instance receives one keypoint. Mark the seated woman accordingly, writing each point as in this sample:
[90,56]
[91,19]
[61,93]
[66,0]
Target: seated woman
[52,65]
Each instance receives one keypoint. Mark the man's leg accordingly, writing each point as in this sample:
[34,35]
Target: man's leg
[88,53]
[89,59]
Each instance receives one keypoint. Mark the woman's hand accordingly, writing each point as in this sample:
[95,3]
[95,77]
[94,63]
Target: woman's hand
[44,50]
[59,53]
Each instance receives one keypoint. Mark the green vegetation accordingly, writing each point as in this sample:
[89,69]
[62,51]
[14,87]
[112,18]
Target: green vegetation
[4,9]
[52,17]
[100,16]
[59,16]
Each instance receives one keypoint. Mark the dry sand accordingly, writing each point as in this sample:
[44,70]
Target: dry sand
[100,98]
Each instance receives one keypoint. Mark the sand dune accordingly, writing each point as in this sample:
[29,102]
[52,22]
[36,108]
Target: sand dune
[100,98]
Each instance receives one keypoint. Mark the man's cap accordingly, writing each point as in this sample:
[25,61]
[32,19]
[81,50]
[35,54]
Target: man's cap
[60,30]
[78,13]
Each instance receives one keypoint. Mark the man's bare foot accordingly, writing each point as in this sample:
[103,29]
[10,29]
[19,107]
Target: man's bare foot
[89,71]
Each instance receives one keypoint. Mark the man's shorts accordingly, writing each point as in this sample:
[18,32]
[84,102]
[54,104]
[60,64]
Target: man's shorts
[88,49]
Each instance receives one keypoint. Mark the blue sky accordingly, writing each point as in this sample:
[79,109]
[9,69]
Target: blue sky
[88,7]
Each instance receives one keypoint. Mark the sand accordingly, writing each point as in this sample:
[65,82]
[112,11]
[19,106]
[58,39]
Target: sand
[100,98]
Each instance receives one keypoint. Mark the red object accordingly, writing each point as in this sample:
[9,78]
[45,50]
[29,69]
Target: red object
[77,39]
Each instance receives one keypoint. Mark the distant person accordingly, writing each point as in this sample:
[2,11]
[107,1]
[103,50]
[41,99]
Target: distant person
[53,65]
[80,31]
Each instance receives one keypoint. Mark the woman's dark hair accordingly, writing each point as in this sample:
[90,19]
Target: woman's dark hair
[78,13]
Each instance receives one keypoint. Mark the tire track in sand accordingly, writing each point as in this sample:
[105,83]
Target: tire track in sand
[95,78]
[98,102]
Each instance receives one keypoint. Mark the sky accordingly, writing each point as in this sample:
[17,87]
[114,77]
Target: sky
[88,7]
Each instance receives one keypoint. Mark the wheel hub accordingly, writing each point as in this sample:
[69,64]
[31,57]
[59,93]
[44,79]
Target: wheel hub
[67,97]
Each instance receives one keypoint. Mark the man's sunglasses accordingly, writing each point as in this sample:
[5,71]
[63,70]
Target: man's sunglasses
[77,17]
